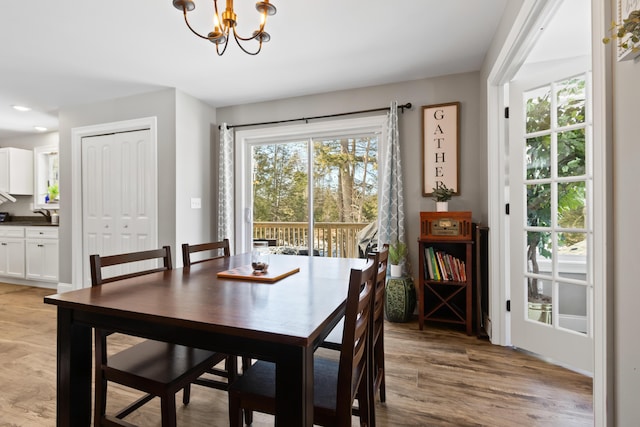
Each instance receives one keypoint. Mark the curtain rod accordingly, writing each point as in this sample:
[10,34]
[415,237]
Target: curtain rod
[306,119]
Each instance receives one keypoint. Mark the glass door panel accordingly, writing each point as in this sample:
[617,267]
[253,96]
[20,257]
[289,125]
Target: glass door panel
[280,195]
[335,178]
[345,195]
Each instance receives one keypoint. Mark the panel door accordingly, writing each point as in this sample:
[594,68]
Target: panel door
[119,201]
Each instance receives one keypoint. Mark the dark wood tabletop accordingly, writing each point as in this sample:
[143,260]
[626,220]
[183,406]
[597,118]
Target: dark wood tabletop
[283,322]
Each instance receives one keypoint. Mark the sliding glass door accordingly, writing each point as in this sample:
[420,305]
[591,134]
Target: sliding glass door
[312,189]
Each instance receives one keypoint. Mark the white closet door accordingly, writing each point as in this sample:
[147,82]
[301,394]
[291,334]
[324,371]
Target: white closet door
[119,202]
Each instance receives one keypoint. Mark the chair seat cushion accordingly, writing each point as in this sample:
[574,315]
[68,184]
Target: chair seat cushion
[161,362]
[260,380]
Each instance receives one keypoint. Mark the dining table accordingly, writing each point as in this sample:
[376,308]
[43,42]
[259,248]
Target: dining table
[282,321]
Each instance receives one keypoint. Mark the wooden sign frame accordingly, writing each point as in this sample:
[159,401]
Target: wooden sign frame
[440,147]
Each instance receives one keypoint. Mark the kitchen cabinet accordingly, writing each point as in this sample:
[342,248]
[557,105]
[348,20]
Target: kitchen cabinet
[16,171]
[41,251]
[12,260]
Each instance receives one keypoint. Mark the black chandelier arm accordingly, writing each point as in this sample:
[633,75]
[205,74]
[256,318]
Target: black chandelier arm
[255,35]
[238,38]
[226,43]
[186,21]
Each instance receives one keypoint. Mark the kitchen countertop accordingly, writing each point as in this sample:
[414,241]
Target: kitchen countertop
[28,221]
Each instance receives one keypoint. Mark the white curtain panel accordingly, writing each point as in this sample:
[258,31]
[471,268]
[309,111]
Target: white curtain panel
[225,185]
[391,209]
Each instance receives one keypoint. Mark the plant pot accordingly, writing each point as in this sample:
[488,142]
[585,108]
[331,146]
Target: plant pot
[540,312]
[400,299]
[442,206]
[395,270]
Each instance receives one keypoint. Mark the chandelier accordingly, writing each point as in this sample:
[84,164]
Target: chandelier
[223,28]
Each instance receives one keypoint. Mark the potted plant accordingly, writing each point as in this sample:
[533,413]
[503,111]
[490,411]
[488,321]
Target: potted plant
[400,293]
[441,194]
[397,254]
[53,192]
[627,32]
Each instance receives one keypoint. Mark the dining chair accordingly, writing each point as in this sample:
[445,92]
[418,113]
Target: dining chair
[334,339]
[337,383]
[156,368]
[214,250]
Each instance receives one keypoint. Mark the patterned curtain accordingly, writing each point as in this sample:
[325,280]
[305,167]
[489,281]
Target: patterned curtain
[391,210]
[225,185]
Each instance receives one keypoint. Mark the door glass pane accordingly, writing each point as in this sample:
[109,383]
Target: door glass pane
[538,157]
[540,305]
[571,101]
[538,109]
[539,253]
[572,204]
[344,178]
[572,255]
[345,195]
[280,195]
[539,290]
[572,307]
[539,205]
[571,159]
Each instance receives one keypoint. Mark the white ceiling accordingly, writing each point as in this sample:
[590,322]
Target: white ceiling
[70,52]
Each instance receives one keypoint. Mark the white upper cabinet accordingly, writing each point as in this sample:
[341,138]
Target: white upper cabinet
[46,177]
[16,171]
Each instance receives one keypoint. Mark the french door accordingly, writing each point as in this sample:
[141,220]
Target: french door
[551,213]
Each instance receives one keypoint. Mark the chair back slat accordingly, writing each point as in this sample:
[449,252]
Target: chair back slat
[213,247]
[97,263]
[379,293]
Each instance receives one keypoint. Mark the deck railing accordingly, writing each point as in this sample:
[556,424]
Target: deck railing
[330,239]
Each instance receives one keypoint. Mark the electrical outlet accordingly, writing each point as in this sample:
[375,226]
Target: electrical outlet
[196,203]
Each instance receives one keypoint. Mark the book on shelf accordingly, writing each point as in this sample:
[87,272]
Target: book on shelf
[441,266]
[428,265]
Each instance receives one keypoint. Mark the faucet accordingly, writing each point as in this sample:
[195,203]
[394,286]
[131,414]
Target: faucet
[45,213]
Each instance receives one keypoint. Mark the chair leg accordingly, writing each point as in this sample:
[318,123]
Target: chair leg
[231,366]
[379,357]
[100,404]
[246,363]
[168,409]
[186,394]
[235,411]
[248,417]
[365,404]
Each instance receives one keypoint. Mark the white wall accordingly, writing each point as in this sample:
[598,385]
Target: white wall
[160,104]
[626,208]
[195,130]
[184,137]
[460,87]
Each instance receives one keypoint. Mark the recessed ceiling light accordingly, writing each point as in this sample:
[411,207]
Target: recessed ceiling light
[21,108]
[40,128]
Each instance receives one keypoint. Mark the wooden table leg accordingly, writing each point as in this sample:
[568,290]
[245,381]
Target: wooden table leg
[294,388]
[73,371]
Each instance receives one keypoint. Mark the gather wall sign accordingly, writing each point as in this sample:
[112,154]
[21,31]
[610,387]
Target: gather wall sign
[440,147]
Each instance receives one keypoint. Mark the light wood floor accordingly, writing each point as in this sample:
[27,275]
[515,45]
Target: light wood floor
[435,377]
